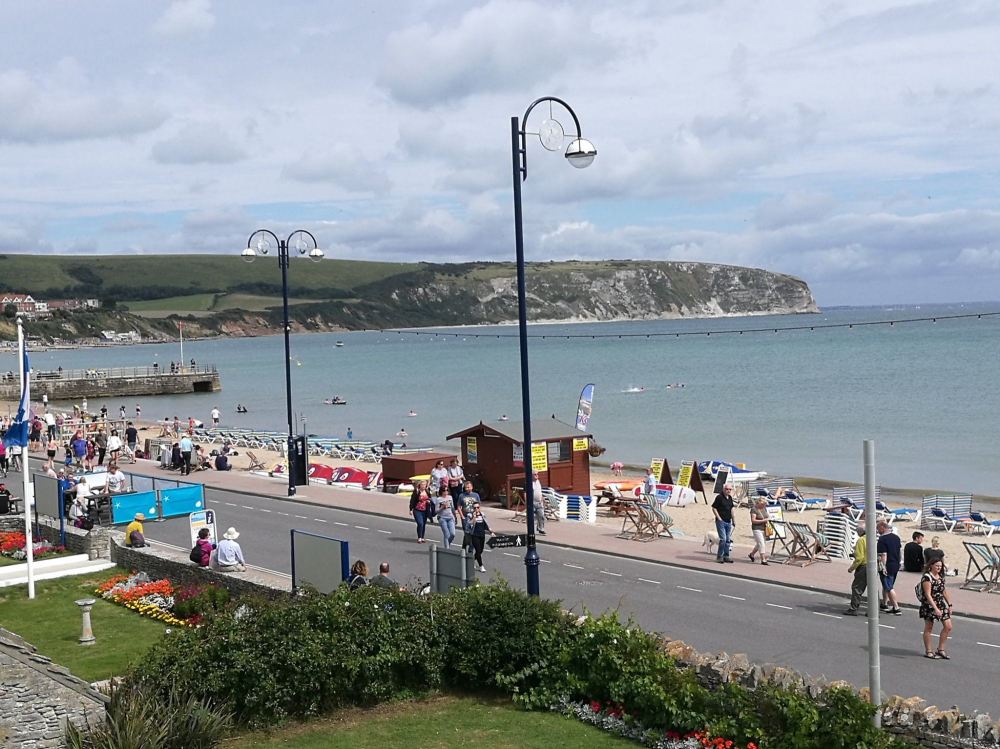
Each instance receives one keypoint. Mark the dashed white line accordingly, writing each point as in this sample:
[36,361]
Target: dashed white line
[614,574]
[248,507]
[778,606]
[887,626]
[545,561]
[301,517]
[283,513]
[388,533]
[829,616]
[336,522]
[361,528]
[263,510]
[988,644]
[644,580]
[735,598]
[508,554]
[321,520]
[693,590]
[229,504]
[574,566]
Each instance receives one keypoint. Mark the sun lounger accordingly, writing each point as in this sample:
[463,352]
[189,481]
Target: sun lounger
[945,521]
[979,523]
[983,568]
[785,492]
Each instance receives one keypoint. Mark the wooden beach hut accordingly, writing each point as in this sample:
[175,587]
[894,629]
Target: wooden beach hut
[559,453]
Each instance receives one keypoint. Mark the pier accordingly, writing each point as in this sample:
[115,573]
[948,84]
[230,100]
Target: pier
[103,382]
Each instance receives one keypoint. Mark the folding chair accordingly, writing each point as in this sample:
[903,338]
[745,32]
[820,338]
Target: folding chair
[987,567]
[552,501]
[646,527]
[664,521]
[808,546]
[256,464]
[518,503]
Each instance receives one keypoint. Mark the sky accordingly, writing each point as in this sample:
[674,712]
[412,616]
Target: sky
[853,144]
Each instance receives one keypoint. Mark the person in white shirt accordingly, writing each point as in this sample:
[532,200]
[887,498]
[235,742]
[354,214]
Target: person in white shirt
[116,481]
[215,416]
[228,554]
[649,483]
[539,503]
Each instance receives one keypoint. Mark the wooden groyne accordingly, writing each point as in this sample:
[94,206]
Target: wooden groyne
[73,384]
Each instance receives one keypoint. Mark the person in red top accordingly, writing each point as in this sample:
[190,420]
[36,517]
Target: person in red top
[420,507]
[205,546]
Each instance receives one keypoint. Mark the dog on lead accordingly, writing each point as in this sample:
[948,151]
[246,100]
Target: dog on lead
[711,540]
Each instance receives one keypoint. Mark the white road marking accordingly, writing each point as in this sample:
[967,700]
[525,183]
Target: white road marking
[545,561]
[262,509]
[644,580]
[778,606]
[988,644]
[508,554]
[248,507]
[283,513]
[693,590]
[735,598]
[361,528]
[830,616]
[321,520]
[574,566]
[388,533]
[230,504]
[887,626]
[615,574]
[301,517]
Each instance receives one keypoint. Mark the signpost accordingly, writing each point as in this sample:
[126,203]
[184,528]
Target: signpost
[507,541]
[199,520]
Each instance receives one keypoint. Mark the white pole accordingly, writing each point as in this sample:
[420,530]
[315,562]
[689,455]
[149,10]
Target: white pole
[874,584]
[180,325]
[26,487]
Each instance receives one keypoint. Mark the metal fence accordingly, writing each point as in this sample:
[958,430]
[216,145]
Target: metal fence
[104,373]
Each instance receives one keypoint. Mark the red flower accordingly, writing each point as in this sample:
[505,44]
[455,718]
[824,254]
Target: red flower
[595,706]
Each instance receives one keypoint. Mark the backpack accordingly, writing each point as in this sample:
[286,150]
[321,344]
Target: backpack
[919,590]
[135,539]
[195,555]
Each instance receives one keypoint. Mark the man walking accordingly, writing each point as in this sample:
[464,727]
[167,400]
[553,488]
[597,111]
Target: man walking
[890,553]
[722,508]
[215,416]
[860,569]
[536,490]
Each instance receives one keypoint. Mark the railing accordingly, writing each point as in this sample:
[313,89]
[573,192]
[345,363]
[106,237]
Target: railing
[120,372]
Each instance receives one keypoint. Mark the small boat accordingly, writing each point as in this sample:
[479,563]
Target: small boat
[634,390]
[710,469]
[339,344]
[335,401]
[412,413]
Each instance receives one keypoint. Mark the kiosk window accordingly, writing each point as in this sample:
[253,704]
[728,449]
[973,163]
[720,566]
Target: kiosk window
[560,452]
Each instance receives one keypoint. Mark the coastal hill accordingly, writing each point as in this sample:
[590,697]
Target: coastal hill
[218,294]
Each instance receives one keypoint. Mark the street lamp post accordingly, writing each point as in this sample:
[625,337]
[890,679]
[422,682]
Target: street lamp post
[580,153]
[262,246]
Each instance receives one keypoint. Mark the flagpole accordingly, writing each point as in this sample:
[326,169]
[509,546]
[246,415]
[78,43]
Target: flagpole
[180,326]
[26,488]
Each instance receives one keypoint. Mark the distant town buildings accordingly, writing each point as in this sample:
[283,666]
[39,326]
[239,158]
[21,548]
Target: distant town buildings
[36,309]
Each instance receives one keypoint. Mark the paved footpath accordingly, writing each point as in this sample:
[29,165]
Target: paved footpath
[680,552]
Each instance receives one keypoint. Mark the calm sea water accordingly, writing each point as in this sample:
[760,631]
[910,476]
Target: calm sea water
[791,402]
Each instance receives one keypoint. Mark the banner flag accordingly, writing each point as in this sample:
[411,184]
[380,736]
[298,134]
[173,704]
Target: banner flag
[585,407]
[17,433]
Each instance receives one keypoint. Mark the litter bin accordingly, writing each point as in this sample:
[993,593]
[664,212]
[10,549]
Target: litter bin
[300,459]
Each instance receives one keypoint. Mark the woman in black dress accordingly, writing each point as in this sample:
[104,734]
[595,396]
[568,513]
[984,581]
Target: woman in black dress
[935,605]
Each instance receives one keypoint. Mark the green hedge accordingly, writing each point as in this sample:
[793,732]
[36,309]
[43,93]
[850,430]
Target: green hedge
[270,661]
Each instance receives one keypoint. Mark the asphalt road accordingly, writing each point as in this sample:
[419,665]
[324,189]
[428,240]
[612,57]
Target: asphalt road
[770,623]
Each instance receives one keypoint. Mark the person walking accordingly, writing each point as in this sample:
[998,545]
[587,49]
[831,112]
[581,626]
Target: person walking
[420,503]
[466,500]
[539,503]
[444,508]
[102,445]
[935,605]
[439,475]
[456,478]
[860,569]
[478,528]
[890,556]
[758,525]
[722,508]
[649,483]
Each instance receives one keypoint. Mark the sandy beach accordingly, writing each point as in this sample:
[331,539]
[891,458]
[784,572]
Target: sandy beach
[692,521]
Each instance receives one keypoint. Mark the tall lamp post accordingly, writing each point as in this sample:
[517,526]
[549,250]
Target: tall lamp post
[304,242]
[580,153]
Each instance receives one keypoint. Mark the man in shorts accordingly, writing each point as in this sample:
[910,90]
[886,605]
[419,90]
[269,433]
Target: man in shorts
[131,438]
[890,553]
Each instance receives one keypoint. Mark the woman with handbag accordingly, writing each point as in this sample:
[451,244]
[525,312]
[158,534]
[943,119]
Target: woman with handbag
[444,508]
[935,605]
[420,507]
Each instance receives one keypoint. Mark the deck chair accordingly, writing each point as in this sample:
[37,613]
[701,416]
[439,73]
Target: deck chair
[647,525]
[979,523]
[552,501]
[664,521]
[996,556]
[808,546]
[981,573]
[518,503]
[256,464]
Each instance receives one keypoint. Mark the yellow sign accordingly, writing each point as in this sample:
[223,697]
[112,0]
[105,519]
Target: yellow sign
[684,477]
[657,468]
[471,450]
[539,456]
[580,444]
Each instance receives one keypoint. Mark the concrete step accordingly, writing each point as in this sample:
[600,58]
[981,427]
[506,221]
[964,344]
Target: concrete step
[47,569]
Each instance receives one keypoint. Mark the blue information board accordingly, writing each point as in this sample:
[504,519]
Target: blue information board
[182,501]
[125,506]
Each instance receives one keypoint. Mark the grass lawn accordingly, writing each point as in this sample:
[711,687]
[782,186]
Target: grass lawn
[7,561]
[190,303]
[51,622]
[438,723]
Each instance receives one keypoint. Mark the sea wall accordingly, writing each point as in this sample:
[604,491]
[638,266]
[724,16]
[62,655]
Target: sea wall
[102,386]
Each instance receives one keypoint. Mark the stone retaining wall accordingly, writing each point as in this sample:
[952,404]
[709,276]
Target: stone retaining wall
[928,726]
[94,543]
[72,389]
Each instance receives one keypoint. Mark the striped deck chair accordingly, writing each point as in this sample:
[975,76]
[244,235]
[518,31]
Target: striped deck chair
[983,569]
[808,545]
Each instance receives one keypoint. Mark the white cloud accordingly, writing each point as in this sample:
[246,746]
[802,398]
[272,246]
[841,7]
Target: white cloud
[198,143]
[185,17]
[340,166]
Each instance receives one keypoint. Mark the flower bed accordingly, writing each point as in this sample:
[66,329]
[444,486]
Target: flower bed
[13,545]
[160,600]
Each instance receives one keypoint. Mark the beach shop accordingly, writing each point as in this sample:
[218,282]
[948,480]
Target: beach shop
[559,452]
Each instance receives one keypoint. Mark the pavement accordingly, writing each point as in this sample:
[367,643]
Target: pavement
[828,577]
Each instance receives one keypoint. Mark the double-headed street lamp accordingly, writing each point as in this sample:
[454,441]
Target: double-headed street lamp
[305,244]
[580,153]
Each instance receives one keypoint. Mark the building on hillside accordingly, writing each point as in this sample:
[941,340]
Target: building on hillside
[25,304]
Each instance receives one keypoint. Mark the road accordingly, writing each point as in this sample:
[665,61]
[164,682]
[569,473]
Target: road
[770,623]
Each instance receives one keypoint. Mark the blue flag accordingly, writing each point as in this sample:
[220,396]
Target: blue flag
[17,433]
[585,407]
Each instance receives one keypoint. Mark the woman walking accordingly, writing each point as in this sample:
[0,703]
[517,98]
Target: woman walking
[444,507]
[935,604]
[478,528]
[439,476]
[758,524]
[420,505]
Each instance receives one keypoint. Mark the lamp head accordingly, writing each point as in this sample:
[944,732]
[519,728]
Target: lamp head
[315,254]
[581,153]
[249,254]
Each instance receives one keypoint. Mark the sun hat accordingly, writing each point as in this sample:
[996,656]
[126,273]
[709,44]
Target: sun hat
[140,516]
[231,534]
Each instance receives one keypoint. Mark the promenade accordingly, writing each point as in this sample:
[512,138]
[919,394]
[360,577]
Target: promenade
[684,552]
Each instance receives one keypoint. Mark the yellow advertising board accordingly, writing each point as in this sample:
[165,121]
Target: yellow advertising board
[684,477]
[580,444]
[539,456]
[471,450]
[656,466]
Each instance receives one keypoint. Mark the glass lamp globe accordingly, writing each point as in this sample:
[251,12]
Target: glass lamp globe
[581,153]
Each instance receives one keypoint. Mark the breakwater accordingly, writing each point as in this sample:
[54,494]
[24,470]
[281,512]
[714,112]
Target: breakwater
[74,384]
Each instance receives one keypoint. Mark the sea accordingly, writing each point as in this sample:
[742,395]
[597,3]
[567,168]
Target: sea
[744,389]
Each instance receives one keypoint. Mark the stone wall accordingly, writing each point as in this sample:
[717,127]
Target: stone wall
[37,697]
[72,389]
[911,718]
[95,543]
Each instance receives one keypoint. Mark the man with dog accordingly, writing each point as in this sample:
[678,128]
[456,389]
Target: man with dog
[722,508]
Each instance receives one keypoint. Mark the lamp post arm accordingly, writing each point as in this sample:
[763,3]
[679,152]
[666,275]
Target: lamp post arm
[523,146]
[264,231]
